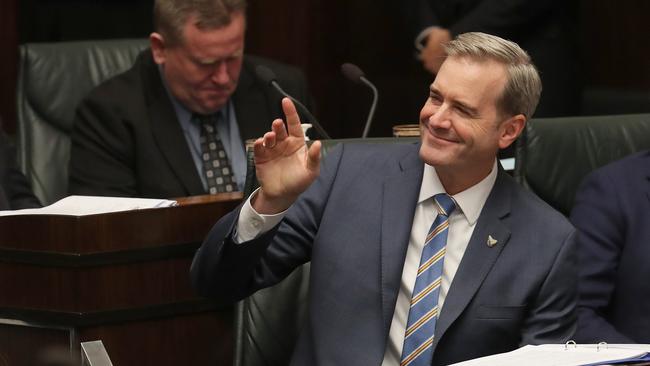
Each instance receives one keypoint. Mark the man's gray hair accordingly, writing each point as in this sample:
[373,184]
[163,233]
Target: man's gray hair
[523,87]
[170,16]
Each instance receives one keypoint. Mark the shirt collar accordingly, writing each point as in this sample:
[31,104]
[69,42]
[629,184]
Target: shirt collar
[470,201]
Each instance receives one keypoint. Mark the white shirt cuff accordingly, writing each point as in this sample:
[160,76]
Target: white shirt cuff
[252,224]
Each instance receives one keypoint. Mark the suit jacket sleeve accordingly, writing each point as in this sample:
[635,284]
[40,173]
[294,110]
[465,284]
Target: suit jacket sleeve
[101,158]
[601,236]
[230,272]
[504,18]
[553,316]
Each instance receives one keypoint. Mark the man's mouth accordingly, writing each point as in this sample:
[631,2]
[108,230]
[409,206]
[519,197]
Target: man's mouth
[440,137]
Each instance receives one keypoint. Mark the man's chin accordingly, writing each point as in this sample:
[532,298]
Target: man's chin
[433,154]
[212,106]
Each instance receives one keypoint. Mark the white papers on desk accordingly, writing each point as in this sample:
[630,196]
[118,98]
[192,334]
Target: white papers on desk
[563,355]
[92,205]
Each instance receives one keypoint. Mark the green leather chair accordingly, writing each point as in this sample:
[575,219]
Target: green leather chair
[555,154]
[53,79]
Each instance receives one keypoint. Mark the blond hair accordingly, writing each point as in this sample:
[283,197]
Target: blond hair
[523,87]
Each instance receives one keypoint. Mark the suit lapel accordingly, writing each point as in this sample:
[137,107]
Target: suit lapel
[400,194]
[479,257]
[168,134]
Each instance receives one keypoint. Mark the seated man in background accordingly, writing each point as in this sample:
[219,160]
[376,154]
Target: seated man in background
[612,215]
[15,192]
[421,254]
[175,123]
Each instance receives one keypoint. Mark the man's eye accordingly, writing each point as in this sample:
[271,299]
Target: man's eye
[436,98]
[461,110]
[204,64]
[464,111]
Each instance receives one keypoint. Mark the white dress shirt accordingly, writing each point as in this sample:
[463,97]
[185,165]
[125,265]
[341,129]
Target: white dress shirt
[462,221]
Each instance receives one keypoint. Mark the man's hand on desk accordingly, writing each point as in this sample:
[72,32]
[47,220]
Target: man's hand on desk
[283,164]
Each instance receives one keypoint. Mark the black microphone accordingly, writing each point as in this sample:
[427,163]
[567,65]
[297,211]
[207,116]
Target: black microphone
[354,73]
[268,76]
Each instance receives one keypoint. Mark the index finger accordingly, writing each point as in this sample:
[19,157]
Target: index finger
[293,120]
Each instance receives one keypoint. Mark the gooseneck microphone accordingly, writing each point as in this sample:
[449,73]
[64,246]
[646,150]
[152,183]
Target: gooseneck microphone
[268,76]
[354,73]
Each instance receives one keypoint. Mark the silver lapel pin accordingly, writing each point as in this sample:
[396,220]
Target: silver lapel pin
[491,241]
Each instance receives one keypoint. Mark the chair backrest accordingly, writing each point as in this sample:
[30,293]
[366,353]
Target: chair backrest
[555,154]
[268,322]
[53,79]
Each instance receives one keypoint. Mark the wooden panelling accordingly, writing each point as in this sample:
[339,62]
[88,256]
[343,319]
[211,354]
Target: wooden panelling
[614,41]
[96,288]
[24,345]
[197,339]
[127,282]
[320,35]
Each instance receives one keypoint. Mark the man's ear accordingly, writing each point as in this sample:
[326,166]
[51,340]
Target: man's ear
[511,129]
[157,47]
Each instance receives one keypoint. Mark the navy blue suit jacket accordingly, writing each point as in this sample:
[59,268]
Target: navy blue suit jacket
[354,224]
[612,215]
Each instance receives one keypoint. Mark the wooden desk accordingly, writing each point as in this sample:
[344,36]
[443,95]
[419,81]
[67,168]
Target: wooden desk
[121,277]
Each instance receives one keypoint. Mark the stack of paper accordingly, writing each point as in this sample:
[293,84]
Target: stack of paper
[566,355]
[92,205]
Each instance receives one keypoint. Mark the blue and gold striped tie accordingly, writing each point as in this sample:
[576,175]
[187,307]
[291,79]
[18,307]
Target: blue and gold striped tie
[423,313]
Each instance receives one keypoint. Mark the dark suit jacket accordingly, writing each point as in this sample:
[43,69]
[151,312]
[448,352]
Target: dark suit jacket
[15,192]
[612,215]
[127,140]
[354,224]
[545,29]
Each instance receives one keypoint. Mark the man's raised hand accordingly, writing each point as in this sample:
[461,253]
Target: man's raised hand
[283,164]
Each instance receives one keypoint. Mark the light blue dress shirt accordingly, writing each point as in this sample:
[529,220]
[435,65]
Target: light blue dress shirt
[228,130]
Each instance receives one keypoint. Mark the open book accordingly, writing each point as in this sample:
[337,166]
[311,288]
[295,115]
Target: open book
[92,205]
[570,354]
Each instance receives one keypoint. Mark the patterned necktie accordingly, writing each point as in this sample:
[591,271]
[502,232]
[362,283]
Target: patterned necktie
[423,313]
[216,167]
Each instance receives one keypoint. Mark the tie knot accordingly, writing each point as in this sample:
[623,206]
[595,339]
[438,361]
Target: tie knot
[445,203]
[203,119]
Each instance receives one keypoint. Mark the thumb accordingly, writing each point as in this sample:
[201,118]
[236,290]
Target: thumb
[313,157]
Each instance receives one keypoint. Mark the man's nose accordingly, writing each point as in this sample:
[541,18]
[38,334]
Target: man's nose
[220,74]
[441,118]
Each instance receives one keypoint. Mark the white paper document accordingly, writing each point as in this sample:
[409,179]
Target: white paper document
[562,355]
[92,205]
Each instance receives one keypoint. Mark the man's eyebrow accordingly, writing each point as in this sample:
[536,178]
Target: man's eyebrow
[472,111]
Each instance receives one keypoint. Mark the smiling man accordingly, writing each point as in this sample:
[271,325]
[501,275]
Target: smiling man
[422,254]
[175,123]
